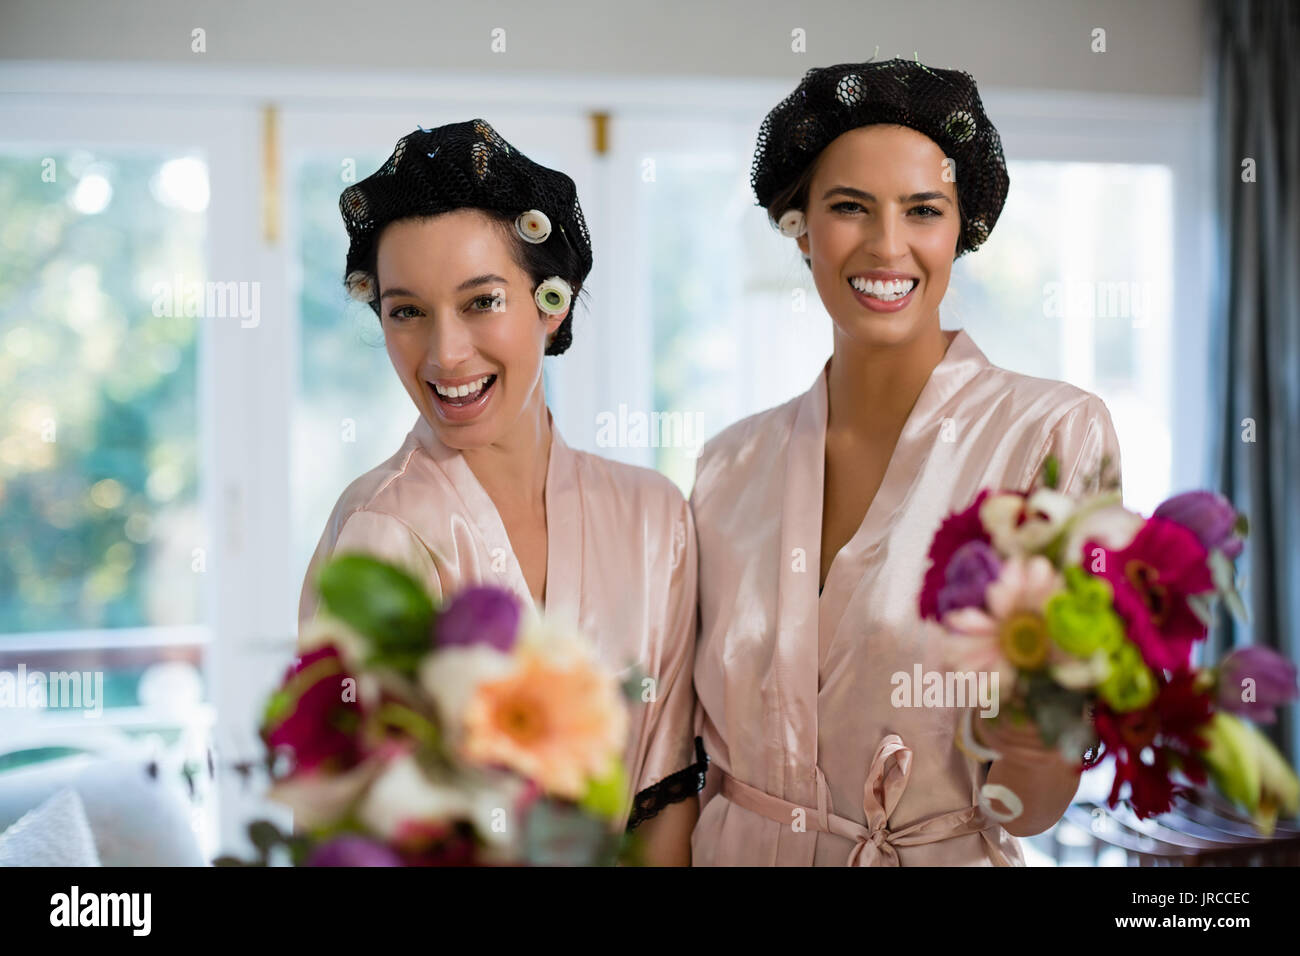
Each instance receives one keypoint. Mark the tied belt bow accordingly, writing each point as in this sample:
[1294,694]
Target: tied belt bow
[874,844]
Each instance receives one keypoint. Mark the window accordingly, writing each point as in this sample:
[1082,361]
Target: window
[1075,284]
[98,379]
[350,411]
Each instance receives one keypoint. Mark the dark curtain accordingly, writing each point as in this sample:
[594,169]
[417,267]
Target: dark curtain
[1255,86]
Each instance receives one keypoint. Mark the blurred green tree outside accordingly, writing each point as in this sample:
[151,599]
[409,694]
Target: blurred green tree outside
[99,478]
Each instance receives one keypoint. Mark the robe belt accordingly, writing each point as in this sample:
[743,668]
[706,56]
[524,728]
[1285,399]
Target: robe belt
[874,844]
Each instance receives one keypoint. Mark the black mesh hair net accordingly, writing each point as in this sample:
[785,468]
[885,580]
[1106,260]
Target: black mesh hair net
[942,104]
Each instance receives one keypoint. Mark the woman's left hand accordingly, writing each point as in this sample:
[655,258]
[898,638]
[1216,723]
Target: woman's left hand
[1038,773]
[1016,741]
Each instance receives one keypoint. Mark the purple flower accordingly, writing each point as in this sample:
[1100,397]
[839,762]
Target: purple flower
[1274,683]
[971,569]
[1209,516]
[480,615]
[353,850]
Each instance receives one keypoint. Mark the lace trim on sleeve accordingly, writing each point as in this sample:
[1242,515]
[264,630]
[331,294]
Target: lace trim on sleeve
[672,789]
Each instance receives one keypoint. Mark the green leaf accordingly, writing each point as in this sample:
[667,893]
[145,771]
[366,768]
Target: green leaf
[265,836]
[411,722]
[278,707]
[381,602]
[1051,472]
[1224,575]
[632,684]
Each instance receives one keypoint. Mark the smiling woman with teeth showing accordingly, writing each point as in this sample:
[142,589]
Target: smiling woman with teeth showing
[471,256]
[884,173]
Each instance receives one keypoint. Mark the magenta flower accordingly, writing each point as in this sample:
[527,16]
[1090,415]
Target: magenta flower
[1274,683]
[480,615]
[971,569]
[1151,579]
[310,716]
[1209,516]
[957,529]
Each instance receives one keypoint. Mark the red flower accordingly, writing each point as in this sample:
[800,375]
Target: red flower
[309,715]
[957,529]
[1152,578]
[1170,727]
[435,843]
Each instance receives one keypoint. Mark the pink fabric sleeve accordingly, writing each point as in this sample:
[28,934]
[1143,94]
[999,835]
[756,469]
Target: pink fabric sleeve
[381,535]
[671,721]
[1086,449]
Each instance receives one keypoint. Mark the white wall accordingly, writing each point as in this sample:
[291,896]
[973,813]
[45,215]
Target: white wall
[1153,46]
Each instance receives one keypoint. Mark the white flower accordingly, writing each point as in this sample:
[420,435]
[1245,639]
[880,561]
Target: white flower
[1104,520]
[553,295]
[792,223]
[361,286]
[451,675]
[406,792]
[1021,526]
[533,226]
[318,799]
[555,640]
[1078,673]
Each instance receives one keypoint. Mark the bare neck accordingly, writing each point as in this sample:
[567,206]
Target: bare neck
[512,470]
[871,390]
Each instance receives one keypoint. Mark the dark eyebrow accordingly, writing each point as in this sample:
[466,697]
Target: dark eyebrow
[859,194]
[481,280]
[467,284]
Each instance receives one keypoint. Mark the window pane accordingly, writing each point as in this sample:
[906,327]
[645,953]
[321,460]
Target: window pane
[738,327]
[1075,283]
[98,463]
[351,411]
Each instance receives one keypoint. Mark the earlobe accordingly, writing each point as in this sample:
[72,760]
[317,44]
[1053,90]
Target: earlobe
[553,323]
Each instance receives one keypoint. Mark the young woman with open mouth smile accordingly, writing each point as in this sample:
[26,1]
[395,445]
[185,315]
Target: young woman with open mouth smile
[471,255]
[884,173]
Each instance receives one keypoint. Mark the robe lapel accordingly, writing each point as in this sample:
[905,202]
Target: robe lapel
[795,664]
[923,428]
[498,555]
[564,531]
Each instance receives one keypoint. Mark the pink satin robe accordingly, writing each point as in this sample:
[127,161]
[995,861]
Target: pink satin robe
[621,562]
[795,689]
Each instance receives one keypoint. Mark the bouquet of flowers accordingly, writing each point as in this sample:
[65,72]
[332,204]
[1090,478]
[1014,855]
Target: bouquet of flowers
[1086,614]
[408,733]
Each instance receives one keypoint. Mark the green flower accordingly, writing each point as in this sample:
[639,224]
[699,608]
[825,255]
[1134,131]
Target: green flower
[1080,619]
[605,794]
[1249,770]
[1130,685]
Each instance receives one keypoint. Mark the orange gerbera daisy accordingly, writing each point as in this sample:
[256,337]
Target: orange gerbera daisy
[557,720]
